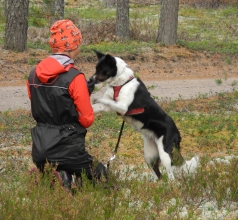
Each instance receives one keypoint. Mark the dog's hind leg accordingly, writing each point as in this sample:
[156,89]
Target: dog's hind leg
[151,156]
[155,168]
[165,158]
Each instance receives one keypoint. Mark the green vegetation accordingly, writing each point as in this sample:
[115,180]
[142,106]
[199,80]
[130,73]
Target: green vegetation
[212,30]
[119,199]
[209,30]
[97,14]
[208,126]
[15,127]
[131,47]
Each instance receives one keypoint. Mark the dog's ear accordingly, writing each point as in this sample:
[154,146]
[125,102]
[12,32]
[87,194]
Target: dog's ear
[99,54]
[108,58]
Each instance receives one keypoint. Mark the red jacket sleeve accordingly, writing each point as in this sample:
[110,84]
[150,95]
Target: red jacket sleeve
[78,91]
[28,89]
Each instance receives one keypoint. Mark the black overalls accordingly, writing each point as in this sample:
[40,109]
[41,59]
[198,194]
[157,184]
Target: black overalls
[58,138]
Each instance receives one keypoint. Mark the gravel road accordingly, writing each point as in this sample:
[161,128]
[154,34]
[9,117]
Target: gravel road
[15,97]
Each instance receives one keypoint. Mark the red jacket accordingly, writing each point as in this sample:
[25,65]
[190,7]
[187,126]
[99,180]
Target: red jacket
[56,64]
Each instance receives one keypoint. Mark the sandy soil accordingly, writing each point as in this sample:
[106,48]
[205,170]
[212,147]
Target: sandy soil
[169,73]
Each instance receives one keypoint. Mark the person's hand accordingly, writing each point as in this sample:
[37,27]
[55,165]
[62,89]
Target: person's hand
[91,85]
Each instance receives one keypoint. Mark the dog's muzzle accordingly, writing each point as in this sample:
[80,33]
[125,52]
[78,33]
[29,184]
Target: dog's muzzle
[95,79]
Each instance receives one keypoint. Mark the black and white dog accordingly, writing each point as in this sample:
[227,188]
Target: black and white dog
[129,97]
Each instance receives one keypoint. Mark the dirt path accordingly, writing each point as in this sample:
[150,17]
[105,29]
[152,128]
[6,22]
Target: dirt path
[169,73]
[15,97]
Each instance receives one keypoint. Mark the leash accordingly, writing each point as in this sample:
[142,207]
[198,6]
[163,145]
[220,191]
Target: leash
[117,145]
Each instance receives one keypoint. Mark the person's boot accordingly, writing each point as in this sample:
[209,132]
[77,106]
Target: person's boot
[66,179]
[100,171]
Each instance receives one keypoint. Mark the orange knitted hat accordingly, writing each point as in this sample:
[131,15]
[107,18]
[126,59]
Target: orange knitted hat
[64,36]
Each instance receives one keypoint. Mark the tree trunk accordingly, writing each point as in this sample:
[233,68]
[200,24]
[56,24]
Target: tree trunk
[168,23]
[109,3]
[5,7]
[16,25]
[57,10]
[53,9]
[122,22]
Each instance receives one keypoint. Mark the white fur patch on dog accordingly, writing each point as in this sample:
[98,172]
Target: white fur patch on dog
[165,158]
[122,102]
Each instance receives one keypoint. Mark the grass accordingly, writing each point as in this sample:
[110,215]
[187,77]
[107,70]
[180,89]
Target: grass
[92,13]
[14,127]
[212,30]
[121,199]
[131,47]
[209,30]
[208,128]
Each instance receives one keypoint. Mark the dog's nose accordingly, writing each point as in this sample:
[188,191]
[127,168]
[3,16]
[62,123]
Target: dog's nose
[95,79]
[92,78]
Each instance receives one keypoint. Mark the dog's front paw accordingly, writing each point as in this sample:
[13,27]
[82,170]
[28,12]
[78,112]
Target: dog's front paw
[97,108]
[100,107]
[103,101]
[94,100]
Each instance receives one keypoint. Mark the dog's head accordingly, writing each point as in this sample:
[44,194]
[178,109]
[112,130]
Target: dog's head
[108,67]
